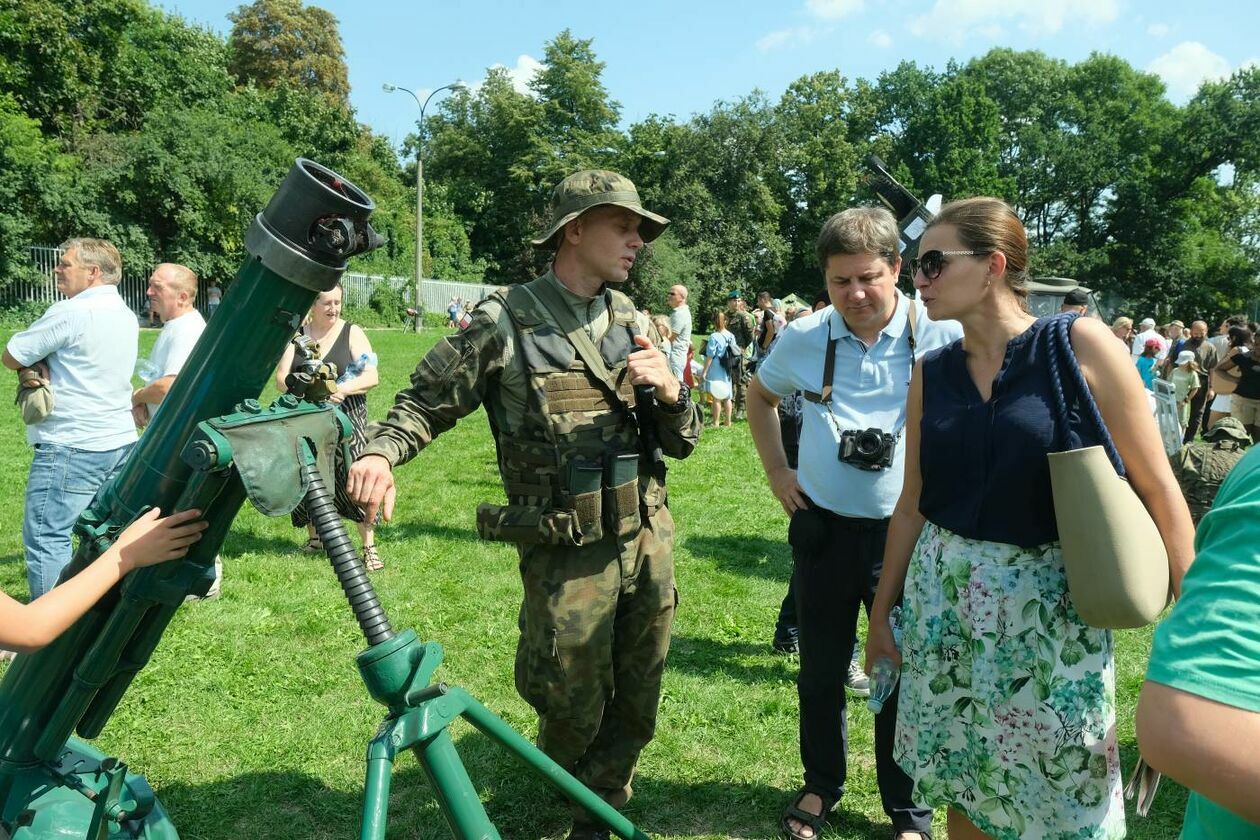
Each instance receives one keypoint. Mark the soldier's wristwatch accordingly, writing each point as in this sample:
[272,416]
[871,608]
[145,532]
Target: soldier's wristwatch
[684,401]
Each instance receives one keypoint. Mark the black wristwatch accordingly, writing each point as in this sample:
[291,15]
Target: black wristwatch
[684,401]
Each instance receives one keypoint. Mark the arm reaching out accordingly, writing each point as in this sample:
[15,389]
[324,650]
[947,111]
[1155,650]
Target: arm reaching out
[149,540]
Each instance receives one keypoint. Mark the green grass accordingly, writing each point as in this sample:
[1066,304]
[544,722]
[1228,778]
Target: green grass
[251,720]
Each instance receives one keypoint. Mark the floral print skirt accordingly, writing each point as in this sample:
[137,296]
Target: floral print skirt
[1008,701]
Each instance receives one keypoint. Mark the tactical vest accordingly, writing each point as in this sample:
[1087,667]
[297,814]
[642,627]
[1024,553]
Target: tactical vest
[572,470]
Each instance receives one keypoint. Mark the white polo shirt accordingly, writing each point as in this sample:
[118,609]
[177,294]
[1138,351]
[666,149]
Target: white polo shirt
[89,343]
[173,347]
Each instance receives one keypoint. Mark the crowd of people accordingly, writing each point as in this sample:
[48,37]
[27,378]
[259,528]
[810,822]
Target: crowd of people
[905,437]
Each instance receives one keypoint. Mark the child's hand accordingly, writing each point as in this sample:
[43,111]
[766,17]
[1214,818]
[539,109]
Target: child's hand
[151,540]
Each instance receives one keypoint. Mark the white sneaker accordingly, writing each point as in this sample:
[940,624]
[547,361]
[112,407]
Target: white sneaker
[856,679]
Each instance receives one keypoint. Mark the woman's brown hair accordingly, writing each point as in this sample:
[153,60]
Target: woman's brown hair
[987,225]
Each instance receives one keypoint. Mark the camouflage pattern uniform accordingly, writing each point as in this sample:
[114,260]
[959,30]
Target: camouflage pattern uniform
[1201,467]
[741,325]
[589,517]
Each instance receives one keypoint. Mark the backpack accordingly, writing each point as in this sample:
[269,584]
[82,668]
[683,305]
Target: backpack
[730,358]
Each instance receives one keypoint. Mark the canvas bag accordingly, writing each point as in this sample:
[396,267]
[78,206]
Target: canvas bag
[1116,563]
[34,401]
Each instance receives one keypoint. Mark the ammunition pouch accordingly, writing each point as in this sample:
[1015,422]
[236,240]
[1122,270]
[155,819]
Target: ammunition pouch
[599,495]
[621,494]
[527,525]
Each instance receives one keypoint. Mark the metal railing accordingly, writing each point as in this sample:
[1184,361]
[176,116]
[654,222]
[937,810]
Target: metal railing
[436,294]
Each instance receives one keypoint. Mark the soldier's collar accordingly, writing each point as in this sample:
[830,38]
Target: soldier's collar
[571,296]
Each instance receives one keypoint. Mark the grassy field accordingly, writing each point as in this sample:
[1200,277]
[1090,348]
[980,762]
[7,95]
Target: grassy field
[251,720]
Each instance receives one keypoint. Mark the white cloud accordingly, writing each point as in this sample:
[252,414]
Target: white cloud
[955,20]
[1186,66]
[833,9]
[881,39]
[822,13]
[523,73]
[789,37]
[1158,30]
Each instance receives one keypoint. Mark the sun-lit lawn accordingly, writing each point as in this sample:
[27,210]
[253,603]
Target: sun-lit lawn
[251,721]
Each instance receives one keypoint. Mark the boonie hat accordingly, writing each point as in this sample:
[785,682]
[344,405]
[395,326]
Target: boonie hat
[1154,342]
[1147,322]
[591,188]
[735,295]
[1185,357]
[1228,427]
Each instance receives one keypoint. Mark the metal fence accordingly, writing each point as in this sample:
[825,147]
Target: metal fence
[358,288]
[436,294]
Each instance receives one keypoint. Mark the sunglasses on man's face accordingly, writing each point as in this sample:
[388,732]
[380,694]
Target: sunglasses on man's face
[933,262]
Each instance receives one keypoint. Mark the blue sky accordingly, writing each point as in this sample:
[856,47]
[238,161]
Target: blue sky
[680,56]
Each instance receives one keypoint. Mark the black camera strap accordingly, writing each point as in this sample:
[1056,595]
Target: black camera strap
[823,395]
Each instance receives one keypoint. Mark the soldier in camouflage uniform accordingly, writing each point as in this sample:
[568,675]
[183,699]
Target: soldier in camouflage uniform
[742,325]
[1201,467]
[556,363]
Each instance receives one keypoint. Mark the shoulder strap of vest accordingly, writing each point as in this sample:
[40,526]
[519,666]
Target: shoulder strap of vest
[551,300]
[623,308]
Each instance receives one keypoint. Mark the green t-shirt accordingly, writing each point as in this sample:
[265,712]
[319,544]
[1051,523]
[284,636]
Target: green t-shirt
[1209,645]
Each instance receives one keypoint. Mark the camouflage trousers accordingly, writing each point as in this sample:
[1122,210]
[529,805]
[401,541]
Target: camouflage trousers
[595,624]
[739,389]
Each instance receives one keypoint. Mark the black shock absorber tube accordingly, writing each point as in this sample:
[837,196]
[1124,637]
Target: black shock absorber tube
[322,511]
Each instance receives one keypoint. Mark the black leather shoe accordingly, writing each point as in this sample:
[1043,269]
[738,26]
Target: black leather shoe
[785,646]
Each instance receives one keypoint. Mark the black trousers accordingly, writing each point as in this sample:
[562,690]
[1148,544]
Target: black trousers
[837,561]
[1198,416]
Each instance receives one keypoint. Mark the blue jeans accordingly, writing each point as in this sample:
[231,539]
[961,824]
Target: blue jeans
[61,484]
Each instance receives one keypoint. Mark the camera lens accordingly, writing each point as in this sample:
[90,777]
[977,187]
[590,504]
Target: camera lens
[868,443]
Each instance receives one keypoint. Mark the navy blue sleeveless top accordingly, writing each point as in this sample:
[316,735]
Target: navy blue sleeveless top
[984,467]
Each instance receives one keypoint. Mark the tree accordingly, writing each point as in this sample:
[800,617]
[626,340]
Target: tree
[284,41]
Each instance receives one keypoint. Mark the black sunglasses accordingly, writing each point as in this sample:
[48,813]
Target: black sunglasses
[932,263]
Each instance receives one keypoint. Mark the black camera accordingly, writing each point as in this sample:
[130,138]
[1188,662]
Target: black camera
[869,449]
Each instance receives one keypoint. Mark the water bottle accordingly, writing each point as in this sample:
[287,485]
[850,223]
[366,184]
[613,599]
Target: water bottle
[356,367]
[884,674]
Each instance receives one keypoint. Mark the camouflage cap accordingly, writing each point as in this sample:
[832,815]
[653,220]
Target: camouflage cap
[591,188]
[1228,427]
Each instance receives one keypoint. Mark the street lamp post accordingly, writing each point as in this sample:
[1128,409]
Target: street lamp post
[388,88]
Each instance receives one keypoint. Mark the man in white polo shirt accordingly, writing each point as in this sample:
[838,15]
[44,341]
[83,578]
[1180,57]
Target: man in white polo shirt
[172,295]
[851,361]
[87,343]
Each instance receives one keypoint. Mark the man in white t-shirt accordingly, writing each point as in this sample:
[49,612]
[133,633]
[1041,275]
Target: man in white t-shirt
[680,326]
[173,296]
[1147,331]
[86,347]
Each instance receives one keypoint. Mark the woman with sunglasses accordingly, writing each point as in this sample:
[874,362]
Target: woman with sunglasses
[1007,712]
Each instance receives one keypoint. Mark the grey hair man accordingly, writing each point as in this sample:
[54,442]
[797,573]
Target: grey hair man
[680,326]
[85,346]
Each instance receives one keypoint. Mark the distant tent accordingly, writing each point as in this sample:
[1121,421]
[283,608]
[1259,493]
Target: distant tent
[793,302]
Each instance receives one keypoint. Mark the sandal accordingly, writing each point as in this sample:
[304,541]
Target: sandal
[814,821]
[314,545]
[371,560]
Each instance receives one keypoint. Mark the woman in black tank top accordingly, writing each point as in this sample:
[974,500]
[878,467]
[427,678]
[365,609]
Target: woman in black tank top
[345,346]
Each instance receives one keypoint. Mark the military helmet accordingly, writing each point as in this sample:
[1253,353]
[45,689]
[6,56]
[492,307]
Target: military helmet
[591,188]
[1228,427]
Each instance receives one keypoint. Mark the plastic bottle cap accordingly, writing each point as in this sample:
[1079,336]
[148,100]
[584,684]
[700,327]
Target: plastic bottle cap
[875,705]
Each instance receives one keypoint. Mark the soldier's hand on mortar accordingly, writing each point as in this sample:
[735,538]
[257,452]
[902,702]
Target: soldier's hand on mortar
[648,366]
[371,486]
[787,490]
